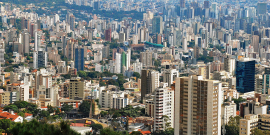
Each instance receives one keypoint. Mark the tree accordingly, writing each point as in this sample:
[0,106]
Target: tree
[257,131]
[136,74]
[44,113]
[84,108]
[21,114]
[112,82]
[11,107]
[102,83]
[169,131]
[66,76]
[50,109]
[232,128]
[96,127]
[66,107]
[34,128]
[6,125]
[108,131]
[103,113]
[21,104]
[166,120]
[136,133]
[82,74]
[117,114]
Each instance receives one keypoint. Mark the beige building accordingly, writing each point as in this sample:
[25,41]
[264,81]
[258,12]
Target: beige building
[264,120]
[252,121]
[76,88]
[146,59]
[198,106]
[249,122]
[5,98]
[149,107]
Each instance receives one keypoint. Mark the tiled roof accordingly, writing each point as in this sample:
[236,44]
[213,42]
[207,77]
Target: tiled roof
[7,115]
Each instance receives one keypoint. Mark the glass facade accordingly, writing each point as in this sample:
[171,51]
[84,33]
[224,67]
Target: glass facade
[245,76]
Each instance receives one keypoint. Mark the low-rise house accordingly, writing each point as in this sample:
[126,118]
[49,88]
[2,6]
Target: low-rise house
[11,116]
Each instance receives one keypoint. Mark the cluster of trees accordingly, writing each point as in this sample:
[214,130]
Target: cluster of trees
[35,127]
[22,107]
[220,48]
[232,128]
[257,131]
[97,75]
[84,108]
[205,59]
[127,111]
[237,101]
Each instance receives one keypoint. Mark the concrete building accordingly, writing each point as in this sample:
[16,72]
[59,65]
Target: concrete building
[164,107]
[157,25]
[113,99]
[149,82]
[252,107]
[228,110]
[169,76]
[42,59]
[149,107]
[79,58]
[229,65]
[146,59]
[249,122]
[197,106]
[76,88]
[118,60]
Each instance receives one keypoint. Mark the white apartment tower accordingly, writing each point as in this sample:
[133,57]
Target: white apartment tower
[228,110]
[163,108]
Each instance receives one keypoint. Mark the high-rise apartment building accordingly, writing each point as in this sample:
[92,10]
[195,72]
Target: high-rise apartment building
[42,59]
[228,110]
[206,4]
[76,88]
[79,58]
[118,60]
[261,8]
[157,25]
[106,51]
[149,82]
[90,35]
[164,108]
[72,22]
[146,58]
[108,35]
[70,49]
[229,65]
[265,83]
[197,106]
[182,3]
[245,75]
[169,76]
[25,42]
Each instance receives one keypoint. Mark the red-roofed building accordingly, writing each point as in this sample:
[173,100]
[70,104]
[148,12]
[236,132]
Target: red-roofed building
[11,116]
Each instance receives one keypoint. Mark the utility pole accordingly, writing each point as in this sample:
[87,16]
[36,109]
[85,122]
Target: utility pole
[90,113]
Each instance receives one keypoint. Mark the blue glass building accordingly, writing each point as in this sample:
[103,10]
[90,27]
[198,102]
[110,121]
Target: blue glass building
[245,76]
[79,58]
